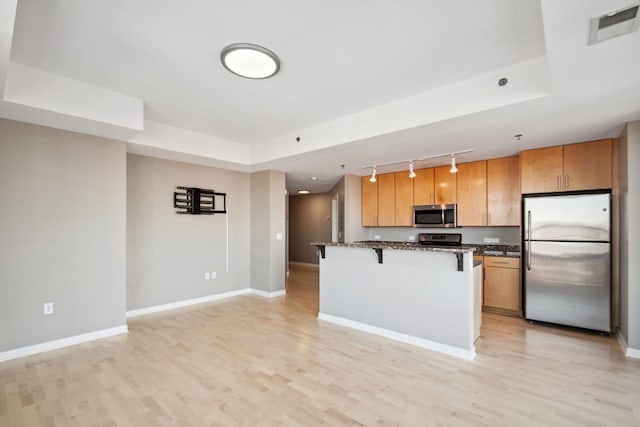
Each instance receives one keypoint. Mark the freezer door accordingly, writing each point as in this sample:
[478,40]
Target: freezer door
[584,217]
[569,284]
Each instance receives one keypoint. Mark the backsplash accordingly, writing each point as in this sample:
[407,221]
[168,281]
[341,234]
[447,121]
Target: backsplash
[505,235]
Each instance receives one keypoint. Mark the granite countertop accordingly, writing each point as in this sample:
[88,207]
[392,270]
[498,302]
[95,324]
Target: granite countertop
[477,249]
[508,251]
[405,246]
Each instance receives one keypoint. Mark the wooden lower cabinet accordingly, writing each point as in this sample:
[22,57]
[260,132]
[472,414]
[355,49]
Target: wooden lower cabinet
[502,290]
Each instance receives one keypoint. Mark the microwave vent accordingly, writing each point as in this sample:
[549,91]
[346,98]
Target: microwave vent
[614,24]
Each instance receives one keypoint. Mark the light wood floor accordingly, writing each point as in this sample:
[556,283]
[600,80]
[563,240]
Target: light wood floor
[262,362]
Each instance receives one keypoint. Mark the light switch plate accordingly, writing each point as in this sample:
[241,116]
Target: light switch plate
[376,237]
[412,238]
[278,236]
[491,240]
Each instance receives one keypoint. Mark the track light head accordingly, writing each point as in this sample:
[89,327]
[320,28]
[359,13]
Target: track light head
[453,169]
[373,175]
[412,173]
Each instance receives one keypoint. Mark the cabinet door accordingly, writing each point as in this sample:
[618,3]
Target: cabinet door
[472,193]
[587,166]
[423,187]
[386,200]
[503,192]
[444,185]
[541,170]
[502,287]
[404,199]
[369,202]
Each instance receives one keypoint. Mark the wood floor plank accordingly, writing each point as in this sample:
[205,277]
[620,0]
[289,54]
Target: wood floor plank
[255,361]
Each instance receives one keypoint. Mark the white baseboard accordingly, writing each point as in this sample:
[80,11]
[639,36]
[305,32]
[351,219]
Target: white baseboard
[629,352]
[185,303]
[408,339]
[208,298]
[63,342]
[268,294]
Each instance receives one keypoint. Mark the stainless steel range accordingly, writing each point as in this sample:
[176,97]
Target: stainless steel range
[440,239]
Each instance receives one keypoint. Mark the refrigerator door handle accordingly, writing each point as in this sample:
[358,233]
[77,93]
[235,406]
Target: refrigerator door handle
[528,240]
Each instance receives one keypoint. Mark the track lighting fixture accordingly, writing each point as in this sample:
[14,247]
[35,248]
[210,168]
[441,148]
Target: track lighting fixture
[373,175]
[453,169]
[412,172]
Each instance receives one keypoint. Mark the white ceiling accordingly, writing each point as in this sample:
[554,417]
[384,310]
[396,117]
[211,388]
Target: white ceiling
[362,82]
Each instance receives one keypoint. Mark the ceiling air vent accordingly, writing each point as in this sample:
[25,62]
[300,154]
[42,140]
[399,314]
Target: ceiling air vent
[614,24]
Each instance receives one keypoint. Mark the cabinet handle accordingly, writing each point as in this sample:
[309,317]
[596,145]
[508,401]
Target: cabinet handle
[488,219]
[558,182]
[566,182]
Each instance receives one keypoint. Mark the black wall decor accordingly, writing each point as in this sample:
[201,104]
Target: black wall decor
[198,201]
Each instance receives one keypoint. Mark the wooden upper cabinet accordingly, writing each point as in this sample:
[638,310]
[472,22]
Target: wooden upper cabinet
[369,202]
[423,187]
[444,185]
[541,170]
[404,198]
[587,166]
[583,166]
[386,199]
[472,193]
[503,191]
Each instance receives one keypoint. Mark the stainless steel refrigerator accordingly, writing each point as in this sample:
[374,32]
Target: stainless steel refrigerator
[567,260]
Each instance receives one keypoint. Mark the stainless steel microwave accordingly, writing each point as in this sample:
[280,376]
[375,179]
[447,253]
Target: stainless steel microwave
[435,216]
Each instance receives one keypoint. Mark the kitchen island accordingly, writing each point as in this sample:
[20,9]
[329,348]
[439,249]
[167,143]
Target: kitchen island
[425,296]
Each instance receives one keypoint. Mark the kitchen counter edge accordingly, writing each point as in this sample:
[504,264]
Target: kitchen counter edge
[399,246]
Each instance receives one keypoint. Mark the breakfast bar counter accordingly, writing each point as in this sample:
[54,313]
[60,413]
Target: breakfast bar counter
[426,296]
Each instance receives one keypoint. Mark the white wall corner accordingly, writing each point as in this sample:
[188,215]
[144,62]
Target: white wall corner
[266,294]
[628,352]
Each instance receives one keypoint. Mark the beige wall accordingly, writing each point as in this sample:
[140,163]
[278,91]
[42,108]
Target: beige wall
[62,226]
[629,204]
[309,221]
[268,199]
[167,253]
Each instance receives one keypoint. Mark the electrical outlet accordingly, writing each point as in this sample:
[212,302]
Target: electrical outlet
[48,308]
[491,240]
[213,275]
[412,238]
[207,276]
[376,237]
[278,236]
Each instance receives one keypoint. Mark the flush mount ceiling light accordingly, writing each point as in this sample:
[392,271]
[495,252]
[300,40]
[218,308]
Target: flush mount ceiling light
[304,191]
[250,61]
